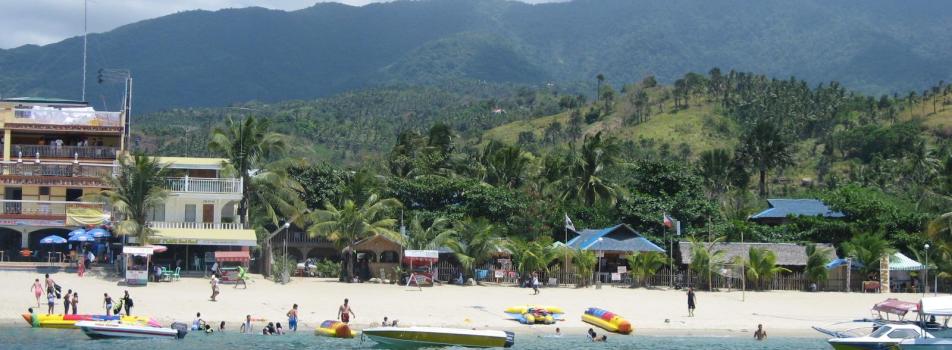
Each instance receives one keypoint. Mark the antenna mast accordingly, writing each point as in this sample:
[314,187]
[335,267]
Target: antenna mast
[85,33]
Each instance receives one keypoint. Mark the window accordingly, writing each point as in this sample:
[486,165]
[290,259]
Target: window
[44,191]
[74,194]
[904,334]
[389,257]
[156,214]
[190,210]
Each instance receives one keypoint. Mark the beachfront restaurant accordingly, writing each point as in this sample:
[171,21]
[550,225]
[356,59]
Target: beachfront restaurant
[193,250]
[903,275]
[612,245]
[376,257]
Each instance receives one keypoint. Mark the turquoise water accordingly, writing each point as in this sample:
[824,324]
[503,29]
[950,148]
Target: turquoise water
[28,338]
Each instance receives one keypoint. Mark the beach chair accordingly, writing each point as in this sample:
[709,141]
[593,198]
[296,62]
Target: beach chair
[177,275]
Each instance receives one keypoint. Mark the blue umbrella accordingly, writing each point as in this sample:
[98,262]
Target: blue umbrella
[98,233]
[78,231]
[54,239]
[82,238]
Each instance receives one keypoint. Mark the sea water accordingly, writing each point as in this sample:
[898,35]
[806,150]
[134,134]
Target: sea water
[30,338]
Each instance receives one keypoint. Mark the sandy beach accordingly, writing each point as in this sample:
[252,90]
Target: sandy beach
[718,313]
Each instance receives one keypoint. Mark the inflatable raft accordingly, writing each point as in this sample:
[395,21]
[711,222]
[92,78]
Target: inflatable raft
[69,321]
[335,329]
[527,314]
[606,320]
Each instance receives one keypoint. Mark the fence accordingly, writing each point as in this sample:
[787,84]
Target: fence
[197,225]
[205,185]
[31,168]
[52,151]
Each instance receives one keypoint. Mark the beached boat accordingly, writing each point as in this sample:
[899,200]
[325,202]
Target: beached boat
[432,336]
[336,329]
[527,314]
[606,320]
[69,321]
[114,329]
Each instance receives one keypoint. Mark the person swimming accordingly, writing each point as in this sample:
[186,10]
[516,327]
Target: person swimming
[591,334]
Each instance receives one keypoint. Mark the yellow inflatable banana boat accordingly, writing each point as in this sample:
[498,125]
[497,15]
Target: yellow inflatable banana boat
[607,320]
[69,321]
[335,329]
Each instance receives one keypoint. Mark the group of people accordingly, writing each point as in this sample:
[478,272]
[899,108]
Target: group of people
[71,299]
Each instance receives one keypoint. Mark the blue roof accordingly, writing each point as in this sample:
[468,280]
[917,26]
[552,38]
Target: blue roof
[620,238]
[782,208]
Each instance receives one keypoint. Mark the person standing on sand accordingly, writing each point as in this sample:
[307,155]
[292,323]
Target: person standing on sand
[292,318]
[127,302]
[50,285]
[75,302]
[67,301]
[760,334]
[107,302]
[37,289]
[214,283]
[50,301]
[692,302]
[535,283]
[345,312]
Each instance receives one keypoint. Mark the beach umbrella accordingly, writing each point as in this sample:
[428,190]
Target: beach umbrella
[98,233]
[54,239]
[78,231]
[82,238]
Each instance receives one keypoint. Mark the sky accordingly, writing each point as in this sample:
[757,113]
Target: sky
[42,22]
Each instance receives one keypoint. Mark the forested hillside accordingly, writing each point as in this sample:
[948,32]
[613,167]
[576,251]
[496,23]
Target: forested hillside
[201,58]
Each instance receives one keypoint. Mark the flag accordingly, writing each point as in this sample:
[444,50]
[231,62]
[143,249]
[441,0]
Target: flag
[568,223]
[668,221]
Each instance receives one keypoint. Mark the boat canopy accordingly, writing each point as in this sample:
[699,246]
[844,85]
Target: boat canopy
[937,306]
[896,307]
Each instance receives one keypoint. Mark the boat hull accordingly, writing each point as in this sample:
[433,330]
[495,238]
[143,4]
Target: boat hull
[846,344]
[69,321]
[926,344]
[100,330]
[425,337]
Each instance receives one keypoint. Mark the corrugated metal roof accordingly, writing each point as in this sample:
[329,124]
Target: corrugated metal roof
[621,238]
[781,208]
[34,99]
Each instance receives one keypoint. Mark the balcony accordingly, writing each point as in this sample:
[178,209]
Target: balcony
[54,174]
[72,152]
[66,117]
[197,225]
[43,209]
[204,185]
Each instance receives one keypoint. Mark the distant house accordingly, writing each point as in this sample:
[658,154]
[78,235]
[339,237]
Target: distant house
[789,255]
[781,209]
[612,244]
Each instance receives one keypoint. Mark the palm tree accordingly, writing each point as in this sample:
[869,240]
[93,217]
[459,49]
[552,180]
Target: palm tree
[584,262]
[715,167]
[705,260]
[868,249]
[765,147]
[352,222]
[137,188]
[504,165]
[644,265]
[940,228]
[585,180]
[438,234]
[762,266]
[817,258]
[477,242]
[532,256]
[247,146]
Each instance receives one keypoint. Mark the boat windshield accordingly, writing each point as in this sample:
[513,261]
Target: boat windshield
[880,332]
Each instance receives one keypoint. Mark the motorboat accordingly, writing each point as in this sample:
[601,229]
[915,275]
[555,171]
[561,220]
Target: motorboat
[886,336]
[112,329]
[69,321]
[926,344]
[435,336]
[929,309]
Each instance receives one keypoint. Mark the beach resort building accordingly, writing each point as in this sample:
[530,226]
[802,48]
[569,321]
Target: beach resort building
[611,245]
[55,151]
[789,255]
[780,210]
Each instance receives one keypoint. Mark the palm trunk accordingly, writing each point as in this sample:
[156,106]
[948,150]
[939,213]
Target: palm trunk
[243,203]
[350,261]
[763,183]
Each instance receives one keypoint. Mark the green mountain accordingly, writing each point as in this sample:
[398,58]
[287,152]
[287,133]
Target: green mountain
[202,58]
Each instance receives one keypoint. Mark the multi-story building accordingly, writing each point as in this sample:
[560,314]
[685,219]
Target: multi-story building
[57,151]
[54,152]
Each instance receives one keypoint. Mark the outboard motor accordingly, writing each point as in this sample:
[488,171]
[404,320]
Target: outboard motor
[181,328]
[510,339]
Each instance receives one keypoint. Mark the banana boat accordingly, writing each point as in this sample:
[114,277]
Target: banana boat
[335,329]
[69,321]
[606,320]
[527,314]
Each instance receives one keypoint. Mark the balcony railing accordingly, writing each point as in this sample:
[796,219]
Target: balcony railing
[51,151]
[66,117]
[299,237]
[32,168]
[43,208]
[203,185]
[197,225]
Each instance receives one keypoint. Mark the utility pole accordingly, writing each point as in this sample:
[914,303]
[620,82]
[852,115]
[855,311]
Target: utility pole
[85,34]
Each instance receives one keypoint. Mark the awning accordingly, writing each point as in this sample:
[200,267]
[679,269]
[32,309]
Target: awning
[900,262]
[232,256]
[139,251]
[896,307]
[186,236]
[84,216]
[938,306]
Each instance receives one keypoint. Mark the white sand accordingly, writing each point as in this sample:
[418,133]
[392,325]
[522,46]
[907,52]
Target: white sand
[718,313]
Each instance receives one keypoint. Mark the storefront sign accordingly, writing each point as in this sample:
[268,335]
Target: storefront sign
[30,222]
[616,276]
[622,269]
[192,241]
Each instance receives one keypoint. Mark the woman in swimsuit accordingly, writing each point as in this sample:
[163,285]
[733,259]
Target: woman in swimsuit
[75,302]
[37,289]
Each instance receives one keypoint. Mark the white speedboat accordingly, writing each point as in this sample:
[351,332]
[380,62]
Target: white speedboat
[98,329]
[887,336]
[434,336]
[926,344]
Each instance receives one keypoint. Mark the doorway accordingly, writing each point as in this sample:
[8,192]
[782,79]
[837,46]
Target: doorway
[208,213]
